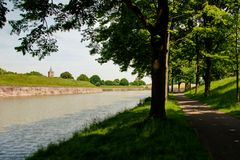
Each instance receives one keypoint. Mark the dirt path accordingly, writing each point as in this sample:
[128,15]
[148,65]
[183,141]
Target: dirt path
[218,132]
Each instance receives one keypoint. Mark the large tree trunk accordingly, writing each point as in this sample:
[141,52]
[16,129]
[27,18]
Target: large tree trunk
[197,67]
[237,61]
[159,44]
[167,63]
[158,88]
[207,78]
[179,86]
[159,79]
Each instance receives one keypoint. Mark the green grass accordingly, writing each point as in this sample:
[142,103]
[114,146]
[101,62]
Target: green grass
[130,135]
[30,80]
[222,96]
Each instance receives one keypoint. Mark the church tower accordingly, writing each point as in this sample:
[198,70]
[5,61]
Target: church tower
[50,73]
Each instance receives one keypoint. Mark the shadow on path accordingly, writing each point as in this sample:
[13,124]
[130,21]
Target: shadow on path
[219,133]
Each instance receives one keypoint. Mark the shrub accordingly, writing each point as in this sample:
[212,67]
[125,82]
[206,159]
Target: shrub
[98,84]
[138,83]
[34,73]
[82,77]
[66,75]
[95,79]
[2,71]
[109,83]
[124,82]
[116,82]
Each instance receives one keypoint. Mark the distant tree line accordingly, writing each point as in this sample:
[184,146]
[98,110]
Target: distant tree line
[94,79]
[33,73]
[97,81]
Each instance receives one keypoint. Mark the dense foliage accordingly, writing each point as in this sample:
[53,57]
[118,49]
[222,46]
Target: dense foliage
[2,71]
[109,83]
[66,75]
[96,80]
[3,11]
[82,77]
[138,83]
[34,73]
[124,82]
[203,41]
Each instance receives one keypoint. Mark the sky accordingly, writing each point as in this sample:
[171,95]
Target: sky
[72,56]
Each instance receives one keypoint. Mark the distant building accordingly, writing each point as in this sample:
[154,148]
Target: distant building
[50,73]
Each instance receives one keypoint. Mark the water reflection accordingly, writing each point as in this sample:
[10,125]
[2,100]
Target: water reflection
[28,123]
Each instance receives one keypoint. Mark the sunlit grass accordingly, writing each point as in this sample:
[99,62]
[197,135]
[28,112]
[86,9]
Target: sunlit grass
[222,96]
[132,136]
[31,80]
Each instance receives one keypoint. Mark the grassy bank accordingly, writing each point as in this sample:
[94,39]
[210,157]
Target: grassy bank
[222,96]
[130,136]
[32,80]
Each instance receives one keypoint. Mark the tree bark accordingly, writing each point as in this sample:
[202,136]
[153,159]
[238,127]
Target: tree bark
[237,60]
[197,67]
[167,63]
[207,78]
[172,85]
[159,79]
[179,86]
[159,45]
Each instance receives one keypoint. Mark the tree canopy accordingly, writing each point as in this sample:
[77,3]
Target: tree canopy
[66,75]
[82,77]
[124,82]
[3,11]
[96,80]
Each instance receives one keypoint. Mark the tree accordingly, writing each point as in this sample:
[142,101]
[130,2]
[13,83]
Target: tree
[124,82]
[236,17]
[205,33]
[82,77]
[116,82]
[109,83]
[214,31]
[96,80]
[66,75]
[35,73]
[2,71]
[130,33]
[3,11]
[138,83]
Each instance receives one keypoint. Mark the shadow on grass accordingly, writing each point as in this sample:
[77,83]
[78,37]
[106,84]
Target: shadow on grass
[220,97]
[131,135]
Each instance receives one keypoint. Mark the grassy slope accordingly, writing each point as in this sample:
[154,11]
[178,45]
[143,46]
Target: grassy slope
[223,93]
[130,136]
[30,80]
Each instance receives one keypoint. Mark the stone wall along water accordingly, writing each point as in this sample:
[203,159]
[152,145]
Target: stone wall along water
[13,91]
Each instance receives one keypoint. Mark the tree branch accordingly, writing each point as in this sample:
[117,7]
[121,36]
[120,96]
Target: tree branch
[162,14]
[139,14]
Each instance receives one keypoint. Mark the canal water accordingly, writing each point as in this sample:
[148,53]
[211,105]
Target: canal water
[29,123]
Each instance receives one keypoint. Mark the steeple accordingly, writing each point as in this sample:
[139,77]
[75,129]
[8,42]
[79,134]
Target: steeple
[50,72]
